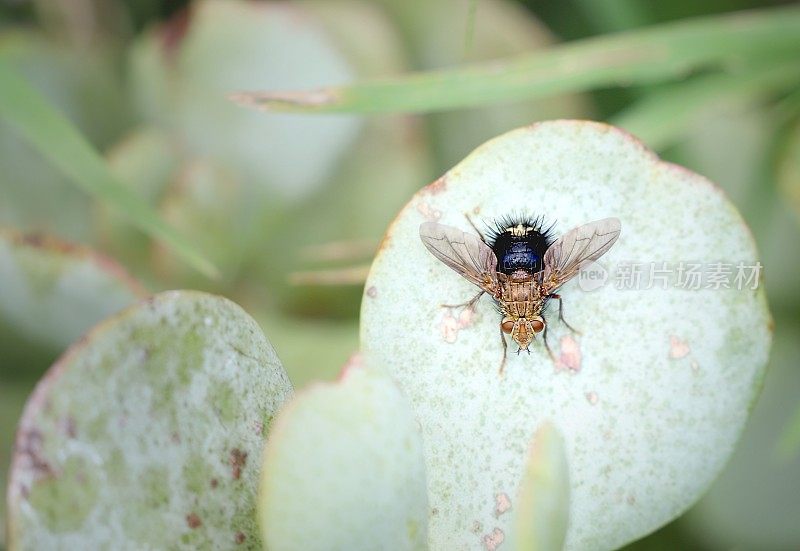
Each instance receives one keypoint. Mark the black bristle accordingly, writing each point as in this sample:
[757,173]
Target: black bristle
[499,225]
[519,252]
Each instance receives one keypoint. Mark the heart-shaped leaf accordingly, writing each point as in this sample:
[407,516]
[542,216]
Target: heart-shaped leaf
[653,393]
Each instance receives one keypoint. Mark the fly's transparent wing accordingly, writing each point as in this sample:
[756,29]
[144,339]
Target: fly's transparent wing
[463,252]
[564,259]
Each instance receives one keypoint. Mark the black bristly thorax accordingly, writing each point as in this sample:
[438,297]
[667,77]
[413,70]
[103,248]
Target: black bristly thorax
[519,243]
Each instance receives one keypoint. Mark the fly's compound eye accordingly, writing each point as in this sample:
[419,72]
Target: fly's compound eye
[537,324]
[507,325]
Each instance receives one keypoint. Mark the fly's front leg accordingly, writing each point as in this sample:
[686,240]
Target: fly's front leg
[561,313]
[546,345]
[469,305]
[505,352]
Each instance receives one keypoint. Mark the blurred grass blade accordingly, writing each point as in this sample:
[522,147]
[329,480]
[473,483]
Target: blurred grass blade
[60,142]
[665,115]
[642,56]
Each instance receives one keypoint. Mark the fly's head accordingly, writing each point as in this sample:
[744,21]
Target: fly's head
[522,330]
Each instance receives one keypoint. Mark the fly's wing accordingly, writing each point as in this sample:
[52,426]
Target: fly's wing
[463,252]
[564,259]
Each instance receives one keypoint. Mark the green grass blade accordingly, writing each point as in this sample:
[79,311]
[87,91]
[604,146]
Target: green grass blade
[643,56]
[60,142]
[665,115]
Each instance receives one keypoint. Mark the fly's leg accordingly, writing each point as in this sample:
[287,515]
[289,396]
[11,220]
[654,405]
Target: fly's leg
[561,313]
[505,353]
[469,305]
[474,227]
[546,345]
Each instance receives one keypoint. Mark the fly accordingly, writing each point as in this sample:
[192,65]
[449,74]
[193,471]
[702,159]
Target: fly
[521,267]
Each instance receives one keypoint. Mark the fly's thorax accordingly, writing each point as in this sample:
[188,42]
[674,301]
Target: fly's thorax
[519,242]
[522,288]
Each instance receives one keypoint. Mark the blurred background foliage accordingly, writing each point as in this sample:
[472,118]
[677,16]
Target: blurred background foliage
[291,207]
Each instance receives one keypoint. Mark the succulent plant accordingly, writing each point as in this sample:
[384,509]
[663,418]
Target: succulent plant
[422,442]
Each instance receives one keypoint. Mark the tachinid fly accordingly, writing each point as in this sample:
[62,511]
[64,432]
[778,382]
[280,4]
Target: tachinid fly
[520,266]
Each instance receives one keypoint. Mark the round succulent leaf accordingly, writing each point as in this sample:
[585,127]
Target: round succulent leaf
[184,71]
[146,433]
[52,292]
[344,469]
[650,396]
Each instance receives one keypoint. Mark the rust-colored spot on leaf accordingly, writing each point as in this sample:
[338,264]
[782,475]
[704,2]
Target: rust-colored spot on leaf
[428,212]
[436,187]
[477,527]
[30,450]
[193,520]
[240,537]
[237,462]
[502,504]
[493,540]
[451,325]
[69,427]
[214,482]
[678,348]
[174,30]
[385,240]
[569,357]
[354,362]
